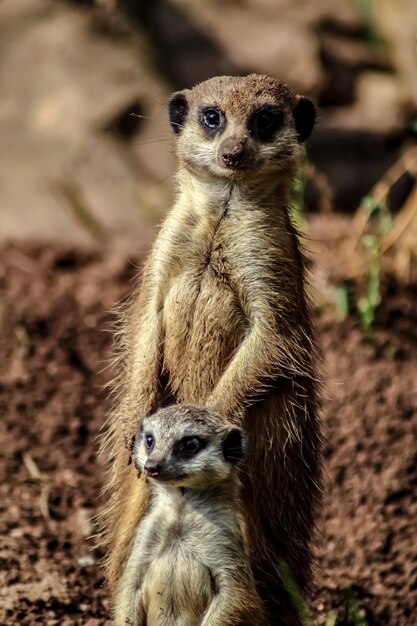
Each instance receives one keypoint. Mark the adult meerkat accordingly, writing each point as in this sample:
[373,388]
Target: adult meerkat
[221,319]
[188,564]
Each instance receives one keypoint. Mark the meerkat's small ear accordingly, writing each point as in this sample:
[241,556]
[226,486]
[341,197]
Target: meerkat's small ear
[304,117]
[178,111]
[233,446]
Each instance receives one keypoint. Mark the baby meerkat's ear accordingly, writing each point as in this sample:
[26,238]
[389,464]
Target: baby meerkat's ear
[178,111]
[233,446]
[304,116]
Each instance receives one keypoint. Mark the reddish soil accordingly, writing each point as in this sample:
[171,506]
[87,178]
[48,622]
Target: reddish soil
[54,309]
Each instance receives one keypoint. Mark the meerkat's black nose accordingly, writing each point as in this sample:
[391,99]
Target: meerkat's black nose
[152,468]
[234,151]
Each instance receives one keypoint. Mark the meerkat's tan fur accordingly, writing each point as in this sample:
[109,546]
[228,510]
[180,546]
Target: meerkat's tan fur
[188,564]
[221,319]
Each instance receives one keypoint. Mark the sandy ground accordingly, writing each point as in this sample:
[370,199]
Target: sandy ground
[55,306]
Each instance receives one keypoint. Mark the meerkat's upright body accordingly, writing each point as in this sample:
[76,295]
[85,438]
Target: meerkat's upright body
[189,564]
[221,319]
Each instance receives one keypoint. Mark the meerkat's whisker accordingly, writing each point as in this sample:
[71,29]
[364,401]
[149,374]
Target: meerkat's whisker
[144,117]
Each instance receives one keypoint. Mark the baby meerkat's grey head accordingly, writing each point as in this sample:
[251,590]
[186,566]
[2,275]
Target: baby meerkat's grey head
[186,446]
[235,127]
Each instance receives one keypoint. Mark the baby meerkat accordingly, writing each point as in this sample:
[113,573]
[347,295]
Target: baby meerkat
[188,565]
[222,319]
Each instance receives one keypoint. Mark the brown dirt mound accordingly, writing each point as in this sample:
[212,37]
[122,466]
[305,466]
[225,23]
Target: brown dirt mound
[54,308]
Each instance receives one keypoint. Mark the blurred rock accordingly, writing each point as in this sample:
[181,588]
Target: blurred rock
[376,108]
[397,21]
[59,80]
[185,53]
[269,38]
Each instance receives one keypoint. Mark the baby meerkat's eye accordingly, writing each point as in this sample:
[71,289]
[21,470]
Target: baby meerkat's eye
[189,446]
[212,118]
[266,122]
[149,441]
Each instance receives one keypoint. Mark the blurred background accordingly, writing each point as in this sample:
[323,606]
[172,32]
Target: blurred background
[77,165]
[86,177]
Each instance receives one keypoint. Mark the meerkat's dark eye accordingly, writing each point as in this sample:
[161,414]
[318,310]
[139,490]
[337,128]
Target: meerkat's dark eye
[149,441]
[212,119]
[189,446]
[192,444]
[266,122]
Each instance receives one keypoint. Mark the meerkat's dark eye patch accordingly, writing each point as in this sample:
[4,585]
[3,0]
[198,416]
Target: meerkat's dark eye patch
[304,118]
[212,119]
[149,441]
[178,111]
[189,446]
[234,446]
[266,121]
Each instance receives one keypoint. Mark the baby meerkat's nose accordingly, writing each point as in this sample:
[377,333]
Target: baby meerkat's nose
[234,151]
[152,468]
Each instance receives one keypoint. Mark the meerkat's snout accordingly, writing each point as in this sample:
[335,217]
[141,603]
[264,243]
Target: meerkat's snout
[150,460]
[152,468]
[235,152]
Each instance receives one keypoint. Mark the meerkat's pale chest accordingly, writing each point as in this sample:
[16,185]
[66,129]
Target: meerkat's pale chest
[163,589]
[203,320]
[177,587]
